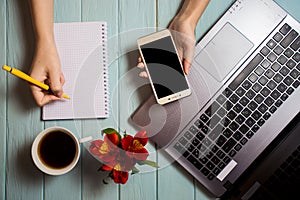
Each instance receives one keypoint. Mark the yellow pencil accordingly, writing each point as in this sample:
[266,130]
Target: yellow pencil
[25,77]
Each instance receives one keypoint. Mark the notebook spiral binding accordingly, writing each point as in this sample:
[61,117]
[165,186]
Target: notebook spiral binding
[105,67]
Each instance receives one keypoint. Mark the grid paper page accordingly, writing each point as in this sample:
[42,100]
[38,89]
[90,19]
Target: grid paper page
[82,50]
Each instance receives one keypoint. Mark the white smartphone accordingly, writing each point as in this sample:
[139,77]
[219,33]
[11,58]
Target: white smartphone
[164,68]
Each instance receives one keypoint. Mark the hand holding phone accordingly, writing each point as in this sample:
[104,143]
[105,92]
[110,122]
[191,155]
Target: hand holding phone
[164,68]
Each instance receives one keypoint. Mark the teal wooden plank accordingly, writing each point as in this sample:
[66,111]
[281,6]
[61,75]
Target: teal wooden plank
[66,186]
[292,6]
[23,180]
[3,93]
[92,184]
[213,12]
[173,181]
[136,18]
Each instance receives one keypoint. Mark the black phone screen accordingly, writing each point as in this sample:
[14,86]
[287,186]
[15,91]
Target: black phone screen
[164,67]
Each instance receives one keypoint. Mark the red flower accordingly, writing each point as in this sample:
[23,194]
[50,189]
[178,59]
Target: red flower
[119,156]
[120,176]
[134,146]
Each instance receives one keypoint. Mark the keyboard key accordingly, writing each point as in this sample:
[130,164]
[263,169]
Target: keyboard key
[271,85]
[265,92]
[282,59]
[227,92]
[267,116]
[258,98]
[205,171]
[215,132]
[252,105]
[263,80]
[237,108]
[265,51]
[271,44]
[227,132]
[233,126]
[296,44]
[183,141]
[243,141]
[210,176]
[256,115]
[244,101]
[269,73]
[295,73]
[250,94]
[232,153]
[277,37]
[204,118]
[284,71]
[249,134]
[237,136]
[231,115]
[263,108]
[278,78]
[265,64]
[256,87]
[275,94]
[228,105]
[200,136]
[195,162]
[229,145]
[275,66]
[240,91]
[290,90]
[221,99]
[278,50]
[285,29]
[288,80]
[288,52]
[178,147]
[250,122]
[221,140]
[282,87]
[193,130]
[215,160]
[246,84]
[199,124]
[210,165]
[220,154]
[246,112]
[213,121]
[290,64]
[289,39]
[244,129]
[269,101]
[296,57]
[188,135]
[240,119]
[272,57]
[234,98]
[195,142]
[246,71]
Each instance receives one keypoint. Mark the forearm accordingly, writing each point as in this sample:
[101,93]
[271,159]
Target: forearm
[192,10]
[42,14]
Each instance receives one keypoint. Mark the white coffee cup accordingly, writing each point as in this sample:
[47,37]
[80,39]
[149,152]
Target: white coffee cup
[56,150]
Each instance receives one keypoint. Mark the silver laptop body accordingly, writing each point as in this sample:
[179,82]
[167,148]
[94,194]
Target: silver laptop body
[244,80]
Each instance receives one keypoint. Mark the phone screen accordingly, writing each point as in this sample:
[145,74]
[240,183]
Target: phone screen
[164,67]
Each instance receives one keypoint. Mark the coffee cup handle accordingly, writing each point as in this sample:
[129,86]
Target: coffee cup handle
[85,139]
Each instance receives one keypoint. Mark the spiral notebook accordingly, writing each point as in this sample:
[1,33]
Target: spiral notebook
[82,47]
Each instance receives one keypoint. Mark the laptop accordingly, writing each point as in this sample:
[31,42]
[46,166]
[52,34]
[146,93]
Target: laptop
[245,81]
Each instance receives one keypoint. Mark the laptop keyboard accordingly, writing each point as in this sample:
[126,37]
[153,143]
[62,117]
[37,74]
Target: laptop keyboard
[222,130]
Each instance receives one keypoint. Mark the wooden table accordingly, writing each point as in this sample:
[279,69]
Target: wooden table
[20,118]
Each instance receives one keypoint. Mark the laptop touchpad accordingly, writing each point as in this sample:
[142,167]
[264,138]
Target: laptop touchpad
[223,52]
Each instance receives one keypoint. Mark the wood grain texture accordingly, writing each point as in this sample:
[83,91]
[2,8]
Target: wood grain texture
[67,186]
[92,180]
[136,18]
[173,181]
[23,180]
[3,95]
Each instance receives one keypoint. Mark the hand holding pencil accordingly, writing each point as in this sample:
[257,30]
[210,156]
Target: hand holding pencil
[35,82]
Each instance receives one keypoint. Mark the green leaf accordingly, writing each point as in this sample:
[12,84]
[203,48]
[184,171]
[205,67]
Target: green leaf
[148,162]
[135,170]
[110,131]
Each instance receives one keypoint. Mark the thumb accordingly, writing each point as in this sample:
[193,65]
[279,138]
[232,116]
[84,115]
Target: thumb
[56,81]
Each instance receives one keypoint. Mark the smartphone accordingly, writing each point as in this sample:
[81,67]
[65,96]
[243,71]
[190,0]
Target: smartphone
[164,67]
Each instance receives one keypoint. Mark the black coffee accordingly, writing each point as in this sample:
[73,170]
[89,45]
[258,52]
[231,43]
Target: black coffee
[57,149]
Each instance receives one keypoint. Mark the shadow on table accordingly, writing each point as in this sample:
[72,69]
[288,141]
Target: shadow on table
[20,50]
